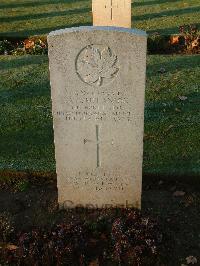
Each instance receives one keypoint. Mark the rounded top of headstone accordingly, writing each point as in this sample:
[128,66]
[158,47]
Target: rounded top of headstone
[97,28]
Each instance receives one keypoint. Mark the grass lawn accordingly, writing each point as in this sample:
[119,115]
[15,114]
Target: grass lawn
[27,17]
[172,122]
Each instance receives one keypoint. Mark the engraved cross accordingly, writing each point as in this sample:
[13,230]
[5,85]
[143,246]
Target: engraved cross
[98,142]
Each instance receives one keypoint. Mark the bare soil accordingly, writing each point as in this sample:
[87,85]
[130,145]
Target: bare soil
[28,203]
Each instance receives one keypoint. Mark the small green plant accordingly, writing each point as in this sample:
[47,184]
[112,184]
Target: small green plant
[22,185]
[6,226]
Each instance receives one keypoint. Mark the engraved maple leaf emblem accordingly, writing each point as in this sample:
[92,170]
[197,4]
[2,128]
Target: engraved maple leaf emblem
[97,64]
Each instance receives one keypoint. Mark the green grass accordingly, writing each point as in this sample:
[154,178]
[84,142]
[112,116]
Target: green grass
[172,126]
[27,17]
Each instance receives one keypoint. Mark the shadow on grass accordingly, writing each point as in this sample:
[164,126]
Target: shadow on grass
[173,136]
[33,139]
[29,130]
[172,30]
[155,2]
[44,31]
[156,112]
[39,3]
[176,12]
[46,15]
[179,63]
[31,85]
[17,62]
[25,93]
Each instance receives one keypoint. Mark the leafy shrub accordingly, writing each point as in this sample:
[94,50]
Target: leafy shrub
[191,37]
[33,46]
[6,47]
[123,238]
[158,44]
[187,41]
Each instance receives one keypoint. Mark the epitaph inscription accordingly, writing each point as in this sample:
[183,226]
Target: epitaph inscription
[104,181]
[97,65]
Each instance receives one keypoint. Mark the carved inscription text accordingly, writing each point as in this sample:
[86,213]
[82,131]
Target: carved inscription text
[97,106]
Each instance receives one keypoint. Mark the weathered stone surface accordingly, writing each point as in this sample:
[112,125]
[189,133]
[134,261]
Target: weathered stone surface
[112,13]
[98,82]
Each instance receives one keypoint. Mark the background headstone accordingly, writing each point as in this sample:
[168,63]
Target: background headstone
[112,13]
[98,84]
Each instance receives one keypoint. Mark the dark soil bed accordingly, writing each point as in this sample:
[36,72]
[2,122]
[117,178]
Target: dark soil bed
[30,218]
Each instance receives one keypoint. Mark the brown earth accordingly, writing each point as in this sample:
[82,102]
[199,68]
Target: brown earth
[176,206]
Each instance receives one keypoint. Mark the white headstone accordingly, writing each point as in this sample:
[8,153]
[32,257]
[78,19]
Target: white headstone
[98,85]
[112,13]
